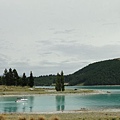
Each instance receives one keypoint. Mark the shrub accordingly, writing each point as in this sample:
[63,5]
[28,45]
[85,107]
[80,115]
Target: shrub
[41,118]
[114,119]
[22,118]
[2,118]
[31,118]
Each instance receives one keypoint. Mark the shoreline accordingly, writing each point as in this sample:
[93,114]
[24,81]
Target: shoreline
[34,94]
[68,111]
[75,111]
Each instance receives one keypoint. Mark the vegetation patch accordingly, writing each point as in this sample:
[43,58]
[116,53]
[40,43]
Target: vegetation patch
[18,90]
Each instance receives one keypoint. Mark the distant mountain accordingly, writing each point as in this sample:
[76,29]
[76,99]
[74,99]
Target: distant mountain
[100,73]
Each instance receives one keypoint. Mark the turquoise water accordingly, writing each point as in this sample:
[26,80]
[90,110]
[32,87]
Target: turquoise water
[112,89]
[50,103]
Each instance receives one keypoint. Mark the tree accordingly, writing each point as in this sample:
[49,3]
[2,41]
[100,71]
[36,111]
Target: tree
[5,77]
[15,77]
[24,80]
[60,82]
[10,79]
[0,80]
[31,80]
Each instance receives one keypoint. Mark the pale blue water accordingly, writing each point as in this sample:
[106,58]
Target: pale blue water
[112,89]
[50,103]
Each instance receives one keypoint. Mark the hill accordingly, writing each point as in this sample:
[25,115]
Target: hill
[100,73]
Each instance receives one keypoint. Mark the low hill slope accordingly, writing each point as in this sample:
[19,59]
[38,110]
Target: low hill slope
[99,73]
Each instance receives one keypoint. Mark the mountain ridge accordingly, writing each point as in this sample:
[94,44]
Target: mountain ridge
[105,72]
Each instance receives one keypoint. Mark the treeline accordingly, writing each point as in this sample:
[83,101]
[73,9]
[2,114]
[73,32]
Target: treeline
[45,80]
[99,73]
[48,80]
[11,77]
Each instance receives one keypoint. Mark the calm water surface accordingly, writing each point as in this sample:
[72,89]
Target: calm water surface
[49,103]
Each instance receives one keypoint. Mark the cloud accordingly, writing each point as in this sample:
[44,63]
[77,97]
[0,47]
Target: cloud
[64,31]
[47,36]
[90,52]
[4,63]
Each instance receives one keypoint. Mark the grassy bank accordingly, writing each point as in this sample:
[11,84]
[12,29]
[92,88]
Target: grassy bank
[13,90]
[65,116]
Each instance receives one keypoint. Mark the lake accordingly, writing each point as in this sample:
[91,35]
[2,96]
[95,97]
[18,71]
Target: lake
[51,103]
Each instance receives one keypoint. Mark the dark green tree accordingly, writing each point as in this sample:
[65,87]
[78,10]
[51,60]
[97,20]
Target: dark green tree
[24,80]
[15,77]
[0,80]
[31,80]
[58,83]
[62,81]
[5,77]
[10,77]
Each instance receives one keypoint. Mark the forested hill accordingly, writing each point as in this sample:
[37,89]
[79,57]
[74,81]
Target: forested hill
[99,73]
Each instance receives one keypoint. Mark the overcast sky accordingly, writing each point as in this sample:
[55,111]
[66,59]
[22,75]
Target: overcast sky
[47,36]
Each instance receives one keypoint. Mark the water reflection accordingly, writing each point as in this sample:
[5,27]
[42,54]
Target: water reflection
[9,104]
[23,107]
[48,103]
[10,109]
[31,100]
[60,102]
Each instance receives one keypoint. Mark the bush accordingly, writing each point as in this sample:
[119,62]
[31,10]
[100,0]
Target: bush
[31,118]
[2,118]
[41,118]
[22,118]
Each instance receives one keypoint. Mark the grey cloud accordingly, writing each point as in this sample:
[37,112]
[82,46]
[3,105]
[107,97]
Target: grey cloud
[89,51]
[36,34]
[43,42]
[44,68]
[47,53]
[19,64]
[53,68]
[3,63]
[64,31]
[21,67]
[114,23]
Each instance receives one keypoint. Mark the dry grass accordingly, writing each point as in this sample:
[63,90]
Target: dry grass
[21,118]
[54,118]
[41,118]
[64,116]
[13,90]
[2,117]
[32,118]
